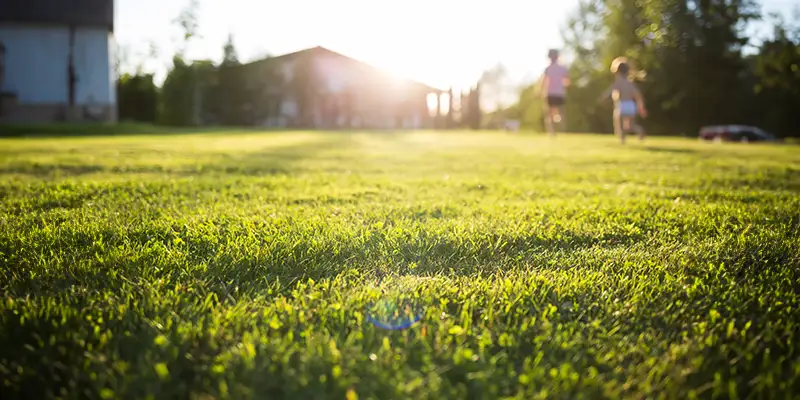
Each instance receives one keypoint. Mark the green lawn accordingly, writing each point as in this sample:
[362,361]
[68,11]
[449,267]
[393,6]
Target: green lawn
[270,265]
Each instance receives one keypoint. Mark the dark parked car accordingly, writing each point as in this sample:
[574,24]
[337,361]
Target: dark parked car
[736,133]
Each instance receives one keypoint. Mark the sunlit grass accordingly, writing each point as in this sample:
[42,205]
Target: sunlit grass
[237,265]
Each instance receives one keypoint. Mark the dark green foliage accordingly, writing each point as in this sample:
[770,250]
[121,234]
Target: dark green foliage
[474,114]
[228,94]
[777,71]
[177,95]
[265,87]
[207,107]
[137,98]
[529,109]
[229,55]
[692,53]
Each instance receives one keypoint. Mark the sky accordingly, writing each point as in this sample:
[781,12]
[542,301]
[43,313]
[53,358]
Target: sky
[442,43]
[423,40]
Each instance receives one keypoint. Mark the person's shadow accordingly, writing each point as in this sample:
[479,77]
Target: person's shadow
[667,150]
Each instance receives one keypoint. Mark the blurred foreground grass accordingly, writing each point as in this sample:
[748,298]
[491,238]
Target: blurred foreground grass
[250,265]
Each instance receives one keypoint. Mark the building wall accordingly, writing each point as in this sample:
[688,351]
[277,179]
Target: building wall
[351,94]
[36,68]
[93,51]
[337,74]
[386,97]
[36,63]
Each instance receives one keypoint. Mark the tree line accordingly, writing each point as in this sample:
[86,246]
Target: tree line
[699,68]
[234,94]
[194,93]
[694,58]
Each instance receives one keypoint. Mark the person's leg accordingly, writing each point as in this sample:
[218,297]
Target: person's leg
[626,124]
[638,130]
[562,119]
[548,117]
[555,117]
[626,127]
[548,122]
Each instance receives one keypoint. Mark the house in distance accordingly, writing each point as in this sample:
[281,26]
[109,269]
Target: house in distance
[323,89]
[56,60]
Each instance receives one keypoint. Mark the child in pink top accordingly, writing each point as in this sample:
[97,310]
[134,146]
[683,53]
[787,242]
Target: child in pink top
[555,80]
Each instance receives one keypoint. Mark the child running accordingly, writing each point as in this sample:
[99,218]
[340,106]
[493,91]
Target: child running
[554,82]
[628,101]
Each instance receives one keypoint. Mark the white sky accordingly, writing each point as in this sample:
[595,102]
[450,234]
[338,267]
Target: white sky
[438,42]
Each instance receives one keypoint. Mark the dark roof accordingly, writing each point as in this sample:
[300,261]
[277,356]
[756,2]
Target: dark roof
[319,50]
[98,13]
[312,50]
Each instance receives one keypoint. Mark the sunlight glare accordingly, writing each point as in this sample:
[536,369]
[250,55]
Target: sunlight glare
[432,103]
[444,103]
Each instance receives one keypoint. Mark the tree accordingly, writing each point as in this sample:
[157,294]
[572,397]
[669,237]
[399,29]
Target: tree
[529,108]
[778,61]
[584,38]
[137,93]
[229,54]
[181,93]
[121,57]
[473,114]
[496,90]
[187,22]
[137,98]
[690,49]
[177,94]
[776,72]
[228,93]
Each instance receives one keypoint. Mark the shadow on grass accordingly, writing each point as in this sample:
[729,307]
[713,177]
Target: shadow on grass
[231,272]
[44,170]
[673,150]
[274,161]
[76,130]
[277,161]
[50,367]
[134,326]
[122,129]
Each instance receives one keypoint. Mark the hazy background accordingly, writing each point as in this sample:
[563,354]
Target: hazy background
[412,38]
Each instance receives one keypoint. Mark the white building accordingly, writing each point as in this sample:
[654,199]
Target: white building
[57,61]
